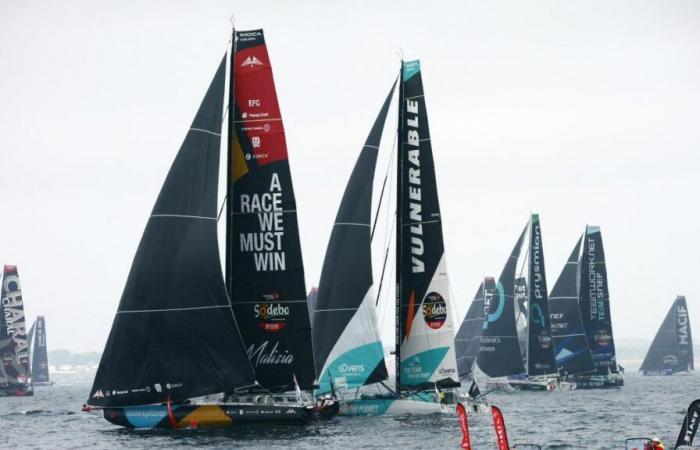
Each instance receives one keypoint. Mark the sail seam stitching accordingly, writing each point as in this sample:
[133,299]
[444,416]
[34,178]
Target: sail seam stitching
[184,216]
[257,120]
[205,131]
[352,223]
[131,311]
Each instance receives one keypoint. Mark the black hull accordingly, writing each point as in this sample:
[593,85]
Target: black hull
[206,416]
[598,383]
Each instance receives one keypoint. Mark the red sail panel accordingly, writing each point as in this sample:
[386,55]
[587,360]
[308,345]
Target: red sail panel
[464,426]
[499,426]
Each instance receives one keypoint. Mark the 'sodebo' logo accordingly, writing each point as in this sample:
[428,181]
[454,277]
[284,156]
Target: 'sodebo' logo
[434,310]
[272,317]
[602,338]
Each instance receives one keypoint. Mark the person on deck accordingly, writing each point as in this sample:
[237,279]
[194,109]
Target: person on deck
[656,444]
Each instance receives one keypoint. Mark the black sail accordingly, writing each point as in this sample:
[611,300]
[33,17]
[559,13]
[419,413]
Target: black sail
[570,345]
[690,425]
[499,352]
[40,358]
[540,351]
[14,349]
[469,334]
[345,331]
[265,270]
[424,335]
[672,349]
[594,301]
[174,336]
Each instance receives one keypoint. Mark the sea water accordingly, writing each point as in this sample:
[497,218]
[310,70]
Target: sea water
[595,419]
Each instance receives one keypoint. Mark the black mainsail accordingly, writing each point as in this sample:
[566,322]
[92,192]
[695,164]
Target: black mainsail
[540,351]
[40,358]
[570,345]
[594,301]
[265,271]
[14,349]
[345,332]
[425,354]
[499,351]
[174,336]
[469,334]
[672,348]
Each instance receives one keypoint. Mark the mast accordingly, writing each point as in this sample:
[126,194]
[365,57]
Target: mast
[399,232]
[229,163]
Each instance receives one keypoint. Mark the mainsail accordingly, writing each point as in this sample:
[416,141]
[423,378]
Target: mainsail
[346,341]
[570,346]
[540,352]
[265,271]
[14,349]
[174,336]
[424,339]
[499,351]
[469,333]
[594,301]
[672,349]
[40,358]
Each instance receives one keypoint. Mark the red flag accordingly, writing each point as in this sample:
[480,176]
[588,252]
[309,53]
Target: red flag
[464,425]
[500,426]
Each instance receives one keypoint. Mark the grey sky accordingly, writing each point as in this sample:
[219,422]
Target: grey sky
[586,112]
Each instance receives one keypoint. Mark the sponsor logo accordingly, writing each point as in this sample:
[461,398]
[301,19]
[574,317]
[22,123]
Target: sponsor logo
[254,103]
[351,368]
[260,357]
[682,321]
[158,387]
[444,371]
[98,394]
[544,339]
[255,141]
[272,317]
[290,411]
[670,360]
[251,61]
[434,310]
[602,338]
[415,206]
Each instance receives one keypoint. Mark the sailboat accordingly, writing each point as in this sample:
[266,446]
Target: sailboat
[468,338]
[671,351]
[349,351]
[573,357]
[14,351]
[184,330]
[538,354]
[37,353]
[516,342]
[594,303]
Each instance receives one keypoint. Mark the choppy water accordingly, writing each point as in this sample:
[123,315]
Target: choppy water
[559,420]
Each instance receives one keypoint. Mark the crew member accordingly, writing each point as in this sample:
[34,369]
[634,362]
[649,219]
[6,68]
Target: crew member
[656,444]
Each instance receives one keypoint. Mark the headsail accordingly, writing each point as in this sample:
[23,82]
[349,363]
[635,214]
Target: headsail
[540,351]
[14,349]
[174,336]
[469,334]
[594,302]
[425,339]
[672,348]
[570,345]
[40,358]
[499,352]
[346,340]
[311,299]
[265,271]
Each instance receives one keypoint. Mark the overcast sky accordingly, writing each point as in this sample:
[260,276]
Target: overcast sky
[583,111]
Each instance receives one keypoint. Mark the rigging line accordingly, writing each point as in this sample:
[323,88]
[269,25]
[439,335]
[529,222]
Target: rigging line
[221,210]
[381,195]
[386,258]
